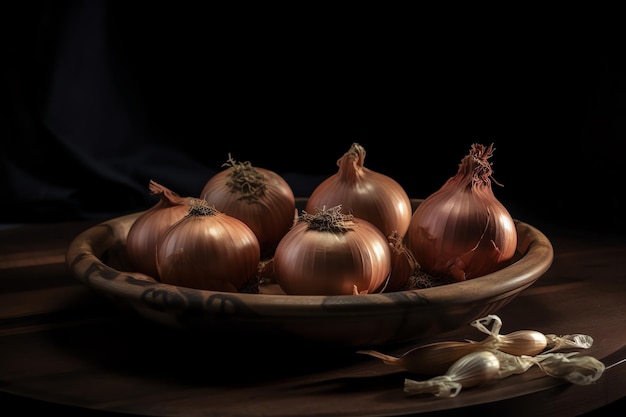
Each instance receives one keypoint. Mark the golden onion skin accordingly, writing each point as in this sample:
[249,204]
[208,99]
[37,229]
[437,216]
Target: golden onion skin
[210,252]
[269,210]
[145,233]
[364,193]
[322,262]
[462,231]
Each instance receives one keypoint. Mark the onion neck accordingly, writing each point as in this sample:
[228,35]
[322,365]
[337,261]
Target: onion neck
[351,164]
[167,197]
[475,169]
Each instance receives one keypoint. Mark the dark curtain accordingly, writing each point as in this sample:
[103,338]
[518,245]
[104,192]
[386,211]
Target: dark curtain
[102,96]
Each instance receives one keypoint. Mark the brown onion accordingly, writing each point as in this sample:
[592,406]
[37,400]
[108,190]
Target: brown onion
[331,253]
[260,198]
[149,227]
[364,193]
[462,231]
[208,250]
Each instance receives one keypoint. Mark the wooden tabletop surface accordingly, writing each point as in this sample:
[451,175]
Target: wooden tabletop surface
[64,347]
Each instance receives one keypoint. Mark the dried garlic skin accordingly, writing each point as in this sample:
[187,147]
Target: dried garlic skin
[579,370]
[513,364]
[568,341]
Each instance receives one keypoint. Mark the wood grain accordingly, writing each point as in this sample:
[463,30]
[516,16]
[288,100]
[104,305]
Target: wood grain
[63,345]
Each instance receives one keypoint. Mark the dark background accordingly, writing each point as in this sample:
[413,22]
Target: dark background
[102,96]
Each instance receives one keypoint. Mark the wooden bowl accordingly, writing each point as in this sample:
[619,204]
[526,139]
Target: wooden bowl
[97,257]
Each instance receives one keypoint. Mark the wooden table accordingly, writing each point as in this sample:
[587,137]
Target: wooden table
[66,348]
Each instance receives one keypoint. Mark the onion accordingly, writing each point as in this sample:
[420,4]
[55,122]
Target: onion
[403,265]
[331,253]
[208,250]
[462,231]
[260,198]
[364,193]
[145,233]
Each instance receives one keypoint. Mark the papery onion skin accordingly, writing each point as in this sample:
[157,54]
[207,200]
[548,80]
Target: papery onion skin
[146,231]
[364,193]
[332,262]
[462,231]
[208,250]
[259,197]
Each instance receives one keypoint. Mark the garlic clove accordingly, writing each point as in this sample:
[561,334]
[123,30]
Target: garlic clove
[522,342]
[473,369]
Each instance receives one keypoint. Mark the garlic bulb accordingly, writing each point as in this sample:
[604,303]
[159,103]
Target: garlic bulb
[462,231]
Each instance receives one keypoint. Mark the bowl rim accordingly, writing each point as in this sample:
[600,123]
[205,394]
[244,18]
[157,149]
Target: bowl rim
[83,257]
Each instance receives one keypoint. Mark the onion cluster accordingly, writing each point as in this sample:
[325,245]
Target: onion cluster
[357,234]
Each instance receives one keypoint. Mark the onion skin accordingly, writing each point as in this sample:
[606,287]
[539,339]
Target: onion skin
[145,233]
[356,260]
[364,193]
[208,250]
[462,231]
[259,197]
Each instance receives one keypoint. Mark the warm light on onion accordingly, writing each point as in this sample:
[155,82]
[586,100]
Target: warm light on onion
[149,227]
[208,250]
[331,253]
[364,193]
[462,231]
[257,196]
